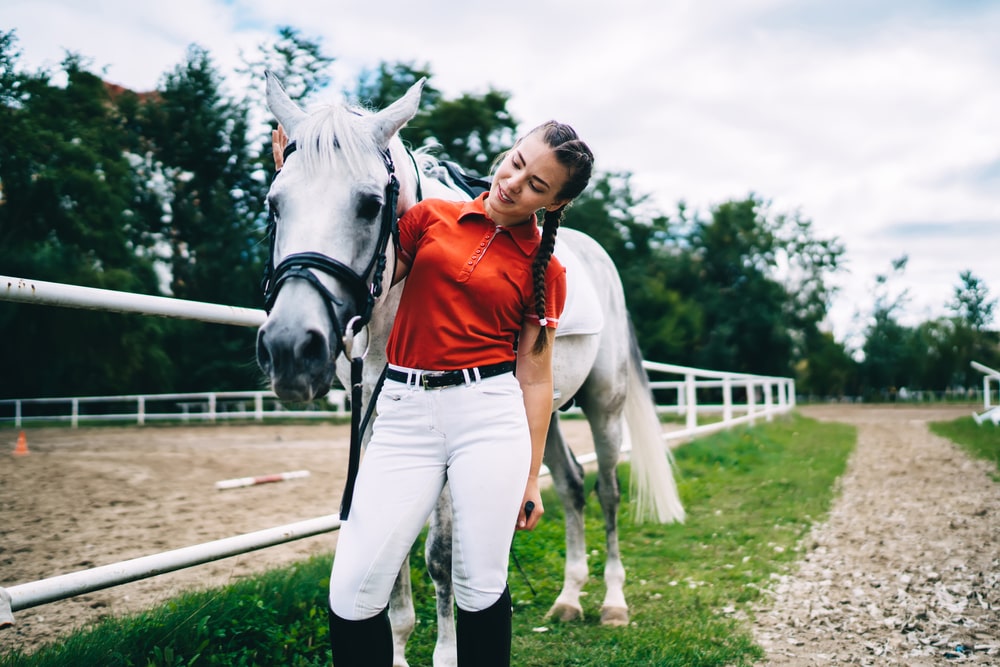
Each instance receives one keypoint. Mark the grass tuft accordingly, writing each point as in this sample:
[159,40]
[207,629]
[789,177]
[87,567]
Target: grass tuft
[979,440]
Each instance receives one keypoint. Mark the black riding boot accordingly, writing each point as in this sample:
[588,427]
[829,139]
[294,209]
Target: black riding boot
[484,636]
[365,643]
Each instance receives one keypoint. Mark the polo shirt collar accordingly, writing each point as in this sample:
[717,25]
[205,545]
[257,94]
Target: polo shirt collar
[526,235]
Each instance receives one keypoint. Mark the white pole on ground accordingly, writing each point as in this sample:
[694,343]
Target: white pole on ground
[64,586]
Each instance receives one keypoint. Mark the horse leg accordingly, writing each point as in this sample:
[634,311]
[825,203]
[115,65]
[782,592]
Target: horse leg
[438,556]
[607,430]
[567,477]
[402,618]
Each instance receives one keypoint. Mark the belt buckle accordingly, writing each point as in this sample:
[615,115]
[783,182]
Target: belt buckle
[424,378]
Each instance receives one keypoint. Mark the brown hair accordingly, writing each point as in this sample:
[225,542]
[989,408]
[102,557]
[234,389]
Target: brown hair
[577,158]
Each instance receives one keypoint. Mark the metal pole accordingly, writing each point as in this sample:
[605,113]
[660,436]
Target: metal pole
[36,593]
[73,296]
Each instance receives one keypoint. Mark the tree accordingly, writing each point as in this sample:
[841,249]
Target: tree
[469,130]
[971,303]
[299,63]
[828,369]
[213,220]
[761,279]
[641,243]
[378,88]
[971,341]
[888,348]
[68,215]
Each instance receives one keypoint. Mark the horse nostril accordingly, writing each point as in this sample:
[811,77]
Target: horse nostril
[263,353]
[314,348]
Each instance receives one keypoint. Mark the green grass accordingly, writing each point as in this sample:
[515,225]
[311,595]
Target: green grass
[751,494]
[979,440]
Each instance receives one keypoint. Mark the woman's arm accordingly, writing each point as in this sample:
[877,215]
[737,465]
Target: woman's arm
[402,268]
[534,372]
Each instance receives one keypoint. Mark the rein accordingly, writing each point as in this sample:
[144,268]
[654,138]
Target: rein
[364,287]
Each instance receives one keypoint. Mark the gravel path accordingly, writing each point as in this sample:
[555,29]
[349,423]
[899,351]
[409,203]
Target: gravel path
[906,570]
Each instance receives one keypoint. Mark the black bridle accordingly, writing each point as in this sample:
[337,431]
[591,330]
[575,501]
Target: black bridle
[365,287]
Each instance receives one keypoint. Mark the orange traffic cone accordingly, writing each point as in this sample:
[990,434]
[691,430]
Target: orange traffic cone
[21,449]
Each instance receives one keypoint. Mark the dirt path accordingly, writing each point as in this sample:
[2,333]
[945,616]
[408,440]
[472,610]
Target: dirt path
[93,496]
[906,570]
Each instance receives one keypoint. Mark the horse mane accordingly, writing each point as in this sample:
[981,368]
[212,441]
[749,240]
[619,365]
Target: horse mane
[331,133]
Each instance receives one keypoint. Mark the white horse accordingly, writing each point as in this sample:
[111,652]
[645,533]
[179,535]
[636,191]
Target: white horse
[328,267]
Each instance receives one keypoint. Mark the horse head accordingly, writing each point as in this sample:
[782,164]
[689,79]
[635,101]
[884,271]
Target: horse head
[332,207]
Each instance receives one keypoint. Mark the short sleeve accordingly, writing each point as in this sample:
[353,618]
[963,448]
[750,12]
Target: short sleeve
[411,227]
[555,295]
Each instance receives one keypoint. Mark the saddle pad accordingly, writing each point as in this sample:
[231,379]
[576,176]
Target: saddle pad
[582,314]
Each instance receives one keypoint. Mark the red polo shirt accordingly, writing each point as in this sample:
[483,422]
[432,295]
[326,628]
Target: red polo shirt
[469,289]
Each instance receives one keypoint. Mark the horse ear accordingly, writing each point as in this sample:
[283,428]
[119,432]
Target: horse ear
[387,122]
[281,105]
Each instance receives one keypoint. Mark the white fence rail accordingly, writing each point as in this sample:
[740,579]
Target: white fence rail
[990,412]
[732,399]
[208,406]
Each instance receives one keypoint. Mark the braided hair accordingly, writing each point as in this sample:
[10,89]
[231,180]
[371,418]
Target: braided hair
[576,157]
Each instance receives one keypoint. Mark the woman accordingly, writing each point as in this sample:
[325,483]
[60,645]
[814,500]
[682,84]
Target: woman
[482,293]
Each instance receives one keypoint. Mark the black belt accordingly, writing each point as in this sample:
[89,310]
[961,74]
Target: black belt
[439,379]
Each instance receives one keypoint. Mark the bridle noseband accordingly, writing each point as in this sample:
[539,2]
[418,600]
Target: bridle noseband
[364,287]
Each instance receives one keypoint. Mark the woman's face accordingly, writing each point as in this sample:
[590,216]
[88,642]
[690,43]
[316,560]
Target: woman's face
[528,179]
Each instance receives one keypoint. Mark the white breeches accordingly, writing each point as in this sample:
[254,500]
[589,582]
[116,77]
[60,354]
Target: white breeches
[474,437]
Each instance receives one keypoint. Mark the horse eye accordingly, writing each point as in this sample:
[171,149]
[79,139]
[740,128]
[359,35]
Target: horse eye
[369,206]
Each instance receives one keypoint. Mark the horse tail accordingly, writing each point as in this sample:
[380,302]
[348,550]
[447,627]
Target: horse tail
[654,491]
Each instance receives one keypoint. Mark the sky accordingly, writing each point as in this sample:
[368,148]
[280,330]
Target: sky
[878,120]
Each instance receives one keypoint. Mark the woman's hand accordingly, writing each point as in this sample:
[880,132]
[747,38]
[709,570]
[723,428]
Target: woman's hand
[528,520]
[279,140]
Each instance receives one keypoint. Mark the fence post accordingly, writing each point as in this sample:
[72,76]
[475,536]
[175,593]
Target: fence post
[17,414]
[768,403]
[211,407]
[692,401]
[751,401]
[141,410]
[75,414]
[258,406]
[727,399]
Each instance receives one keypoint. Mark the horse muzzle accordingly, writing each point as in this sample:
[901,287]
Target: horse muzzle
[298,344]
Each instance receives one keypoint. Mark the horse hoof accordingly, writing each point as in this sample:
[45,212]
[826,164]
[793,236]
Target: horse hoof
[614,616]
[565,612]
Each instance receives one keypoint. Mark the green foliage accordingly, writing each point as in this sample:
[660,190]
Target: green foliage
[300,63]
[469,130]
[71,212]
[972,303]
[979,440]
[751,495]
[934,355]
[741,290]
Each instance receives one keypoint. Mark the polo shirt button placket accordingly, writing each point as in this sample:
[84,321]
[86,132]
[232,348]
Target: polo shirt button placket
[483,245]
